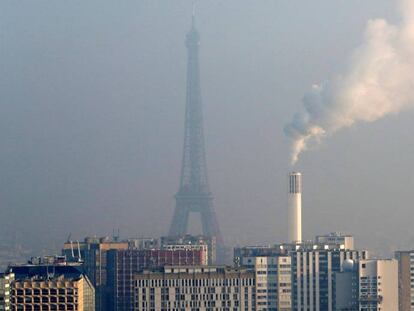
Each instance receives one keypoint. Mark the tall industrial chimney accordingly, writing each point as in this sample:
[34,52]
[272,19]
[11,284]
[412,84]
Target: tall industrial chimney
[295,207]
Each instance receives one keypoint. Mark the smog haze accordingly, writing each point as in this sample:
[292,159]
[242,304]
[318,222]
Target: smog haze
[92,95]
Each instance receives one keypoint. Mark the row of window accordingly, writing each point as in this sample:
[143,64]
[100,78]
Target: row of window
[52,299]
[195,282]
[44,307]
[44,292]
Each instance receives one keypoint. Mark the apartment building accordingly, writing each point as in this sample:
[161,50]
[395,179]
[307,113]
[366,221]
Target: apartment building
[188,288]
[5,282]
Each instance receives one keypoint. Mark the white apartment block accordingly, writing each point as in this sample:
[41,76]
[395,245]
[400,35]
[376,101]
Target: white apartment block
[378,285]
[273,281]
[201,288]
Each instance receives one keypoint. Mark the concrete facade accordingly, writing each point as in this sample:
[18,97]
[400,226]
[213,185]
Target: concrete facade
[187,240]
[122,264]
[58,293]
[405,280]
[295,208]
[92,252]
[194,288]
[273,282]
[312,276]
[378,285]
[5,282]
[335,238]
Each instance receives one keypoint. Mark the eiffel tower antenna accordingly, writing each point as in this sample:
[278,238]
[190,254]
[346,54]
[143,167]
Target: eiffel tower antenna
[193,15]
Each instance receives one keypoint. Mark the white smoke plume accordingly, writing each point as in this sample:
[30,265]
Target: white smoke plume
[379,82]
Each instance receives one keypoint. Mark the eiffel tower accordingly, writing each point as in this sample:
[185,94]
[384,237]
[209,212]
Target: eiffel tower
[194,193]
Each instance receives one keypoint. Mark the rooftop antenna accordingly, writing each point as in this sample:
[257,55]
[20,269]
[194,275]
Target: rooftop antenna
[71,247]
[115,235]
[79,252]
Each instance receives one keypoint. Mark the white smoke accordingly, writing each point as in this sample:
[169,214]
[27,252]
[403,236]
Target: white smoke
[380,81]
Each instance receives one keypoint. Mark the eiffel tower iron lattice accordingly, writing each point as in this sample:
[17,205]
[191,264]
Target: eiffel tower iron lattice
[194,193]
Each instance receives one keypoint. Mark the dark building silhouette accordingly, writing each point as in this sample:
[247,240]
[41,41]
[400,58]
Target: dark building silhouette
[92,253]
[123,264]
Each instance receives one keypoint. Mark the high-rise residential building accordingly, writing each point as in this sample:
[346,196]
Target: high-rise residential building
[122,264]
[367,285]
[346,287]
[378,285]
[53,293]
[313,271]
[405,279]
[46,285]
[273,281]
[208,244]
[188,288]
[345,241]
[92,253]
[5,283]
[313,267]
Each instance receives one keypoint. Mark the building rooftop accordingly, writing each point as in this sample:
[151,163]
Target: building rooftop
[46,270]
[192,269]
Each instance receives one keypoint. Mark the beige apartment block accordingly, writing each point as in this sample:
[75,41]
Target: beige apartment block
[38,293]
[378,285]
[5,282]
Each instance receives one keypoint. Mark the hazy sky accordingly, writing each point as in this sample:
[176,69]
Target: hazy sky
[92,100]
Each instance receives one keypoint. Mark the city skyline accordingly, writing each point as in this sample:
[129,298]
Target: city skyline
[89,135]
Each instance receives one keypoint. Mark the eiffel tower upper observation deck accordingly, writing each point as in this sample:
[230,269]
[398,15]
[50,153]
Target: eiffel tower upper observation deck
[194,193]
